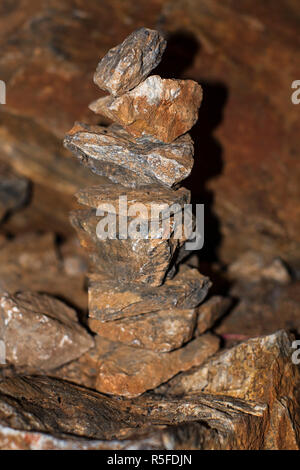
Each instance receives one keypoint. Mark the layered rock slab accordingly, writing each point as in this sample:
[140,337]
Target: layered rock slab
[126,371]
[40,332]
[129,63]
[112,152]
[149,196]
[260,370]
[159,331]
[159,108]
[109,300]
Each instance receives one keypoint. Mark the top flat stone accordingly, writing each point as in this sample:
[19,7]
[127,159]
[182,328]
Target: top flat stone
[129,63]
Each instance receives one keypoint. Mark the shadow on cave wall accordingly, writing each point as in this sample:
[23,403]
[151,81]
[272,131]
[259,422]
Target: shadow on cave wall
[180,54]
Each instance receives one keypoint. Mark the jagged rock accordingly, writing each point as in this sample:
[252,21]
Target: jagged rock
[112,152]
[146,195]
[109,300]
[124,370]
[129,63]
[254,370]
[160,331]
[159,108]
[260,370]
[145,260]
[211,311]
[254,266]
[40,332]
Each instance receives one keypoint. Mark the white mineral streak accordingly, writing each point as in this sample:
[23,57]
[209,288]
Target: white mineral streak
[151,89]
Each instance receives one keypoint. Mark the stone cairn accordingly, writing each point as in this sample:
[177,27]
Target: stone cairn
[143,307]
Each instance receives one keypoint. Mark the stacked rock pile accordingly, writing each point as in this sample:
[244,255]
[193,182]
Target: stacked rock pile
[143,307]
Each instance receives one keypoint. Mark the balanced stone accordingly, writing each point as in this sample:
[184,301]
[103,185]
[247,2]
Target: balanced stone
[126,371]
[144,260]
[159,108]
[160,331]
[110,300]
[112,152]
[129,63]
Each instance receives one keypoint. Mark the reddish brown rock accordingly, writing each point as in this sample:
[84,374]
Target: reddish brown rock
[159,108]
[254,370]
[123,370]
[129,63]
[40,332]
[144,260]
[113,153]
[109,300]
[210,311]
[160,331]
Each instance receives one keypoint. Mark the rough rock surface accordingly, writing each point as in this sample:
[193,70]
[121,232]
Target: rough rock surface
[126,371]
[40,332]
[145,260]
[258,371]
[129,63]
[160,331]
[159,108]
[109,300]
[146,195]
[112,152]
[83,413]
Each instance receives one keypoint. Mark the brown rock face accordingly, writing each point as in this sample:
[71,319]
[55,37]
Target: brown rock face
[126,371]
[129,63]
[159,331]
[40,332]
[109,300]
[146,422]
[112,152]
[159,108]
